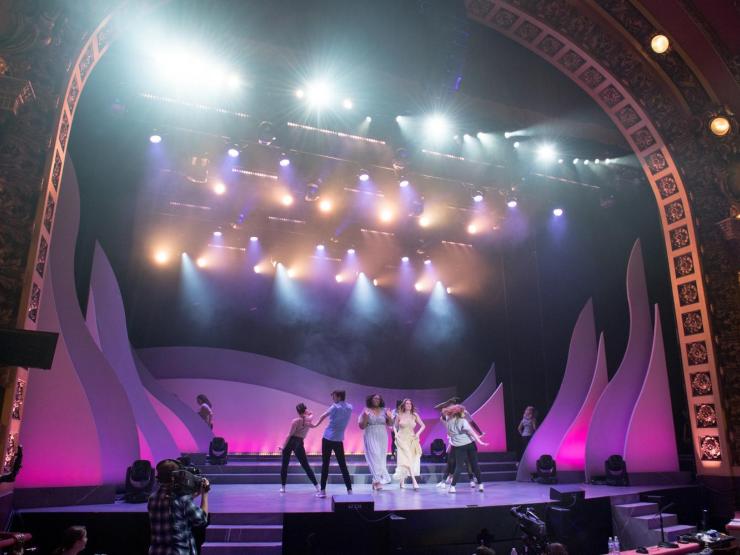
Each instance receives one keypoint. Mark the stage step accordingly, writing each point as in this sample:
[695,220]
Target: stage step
[653,521]
[242,548]
[672,533]
[631,510]
[248,532]
[247,519]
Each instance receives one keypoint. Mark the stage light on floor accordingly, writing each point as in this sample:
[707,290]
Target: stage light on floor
[616,471]
[286,199]
[363,175]
[597,161]
[507,134]
[218,451]
[419,286]
[201,262]
[608,161]
[546,470]
[557,212]
[232,152]
[254,238]
[284,161]
[368,119]
[219,188]
[438,450]
[325,206]
[318,94]
[155,139]
[313,192]
[449,290]
[162,256]
[517,144]
[139,482]
[546,153]
[347,104]
[478,196]
[404,259]
[291,273]
[660,44]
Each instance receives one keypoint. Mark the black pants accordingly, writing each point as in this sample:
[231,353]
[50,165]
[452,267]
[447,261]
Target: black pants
[464,454]
[451,464]
[327,446]
[524,443]
[295,445]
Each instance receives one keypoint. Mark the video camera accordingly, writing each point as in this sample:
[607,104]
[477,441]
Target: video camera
[534,530]
[188,480]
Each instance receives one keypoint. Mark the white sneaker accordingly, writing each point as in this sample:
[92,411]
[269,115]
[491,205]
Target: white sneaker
[452,490]
[282,489]
[321,494]
[317,488]
[472,483]
[480,487]
[442,484]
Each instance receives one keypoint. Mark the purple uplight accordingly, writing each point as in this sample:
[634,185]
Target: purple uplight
[405,259]
[320,247]
[403,183]
[217,234]
[511,204]
[350,251]
[558,212]
[284,162]
[427,262]
[233,152]
[363,175]
[155,139]
[253,239]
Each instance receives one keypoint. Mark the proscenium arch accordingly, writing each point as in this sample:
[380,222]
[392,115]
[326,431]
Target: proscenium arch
[617,100]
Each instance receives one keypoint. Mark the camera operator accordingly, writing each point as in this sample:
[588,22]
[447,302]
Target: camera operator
[173,515]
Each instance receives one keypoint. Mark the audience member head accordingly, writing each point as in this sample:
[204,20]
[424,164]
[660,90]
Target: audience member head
[338,395]
[556,549]
[374,401]
[203,400]
[74,540]
[165,470]
[300,409]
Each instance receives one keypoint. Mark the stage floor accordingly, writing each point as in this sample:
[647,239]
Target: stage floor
[265,498]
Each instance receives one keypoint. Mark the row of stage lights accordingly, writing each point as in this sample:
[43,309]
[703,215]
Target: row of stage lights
[162,257]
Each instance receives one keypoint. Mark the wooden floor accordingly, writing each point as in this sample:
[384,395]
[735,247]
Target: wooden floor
[300,498]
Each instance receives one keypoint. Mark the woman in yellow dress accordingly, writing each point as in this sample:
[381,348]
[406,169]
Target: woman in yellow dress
[408,448]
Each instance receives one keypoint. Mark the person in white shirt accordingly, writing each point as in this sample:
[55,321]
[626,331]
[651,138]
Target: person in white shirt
[462,438]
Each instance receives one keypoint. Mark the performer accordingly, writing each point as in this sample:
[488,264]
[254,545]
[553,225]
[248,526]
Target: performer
[205,409]
[375,420]
[462,437]
[408,448]
[450,469]
[294,443]
[338,413]
[527,427]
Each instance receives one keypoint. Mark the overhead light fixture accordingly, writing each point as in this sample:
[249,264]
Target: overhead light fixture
[201,262]
[660,44]
[720,126]
[286,199]
[557,212]
[233,152]
[478,196]
[363,175]
[266,133]
[517,144]
[325,206]
[347,104]
[284,160]
[546,153]
[313,192]
[403,183]
[219,188]
[155,139]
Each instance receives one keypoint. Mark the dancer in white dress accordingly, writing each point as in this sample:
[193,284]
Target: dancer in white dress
[375,420]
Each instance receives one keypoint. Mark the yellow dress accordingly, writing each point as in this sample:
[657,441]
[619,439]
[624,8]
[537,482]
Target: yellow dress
[408,448]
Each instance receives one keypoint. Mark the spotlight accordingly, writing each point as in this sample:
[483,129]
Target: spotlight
[557,212]
[403,183]
[318,94]
[350,251]
[720,126]
[449,290]
[155,139]
[400,159]
[418,286]
[616,471]
[218,451]
[219,188]
[363,175]
[586,162]
[560,160]
[437,126]
[576,160]
[201,262]
[597,161]
[424,221]
[547,471]
[139,481]
[233,81]
[427,262]
[511,203]
[338,278]
[608,161]
[386,215]
[347,104]
[660,44]
[368,119]
[161,256]
[507,134]
[284,160]
[478,196]
[399,119]
[233,152]
[290,273]
[254,239]
[516,144]
[313,192]
[404,259]
[472,229]
[257,269]
[300,93]
[375,282]
[217,234]
[320,247]
[266,133]
[325,206]
[546,153]
[287,199]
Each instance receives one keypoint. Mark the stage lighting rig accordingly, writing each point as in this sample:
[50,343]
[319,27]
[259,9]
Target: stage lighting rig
[313,191]
[266,133]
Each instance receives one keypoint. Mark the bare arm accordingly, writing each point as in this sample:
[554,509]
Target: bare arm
[422,426]
[362,420]
[469,430]
[320,420]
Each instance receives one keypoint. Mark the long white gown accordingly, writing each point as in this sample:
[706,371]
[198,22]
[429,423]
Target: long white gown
[376,447]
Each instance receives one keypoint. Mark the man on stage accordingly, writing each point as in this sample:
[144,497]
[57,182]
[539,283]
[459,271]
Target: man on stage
[339,413]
